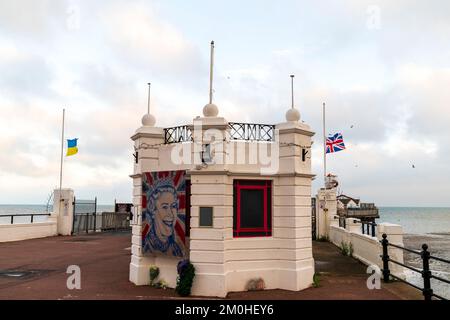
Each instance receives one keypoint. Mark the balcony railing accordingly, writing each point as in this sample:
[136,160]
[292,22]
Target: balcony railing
[238,131]
[177,134]
[251,131]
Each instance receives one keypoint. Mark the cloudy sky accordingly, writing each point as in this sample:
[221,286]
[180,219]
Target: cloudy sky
[382,67]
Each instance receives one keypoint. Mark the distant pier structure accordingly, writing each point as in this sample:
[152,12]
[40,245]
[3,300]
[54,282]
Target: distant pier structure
[349,207]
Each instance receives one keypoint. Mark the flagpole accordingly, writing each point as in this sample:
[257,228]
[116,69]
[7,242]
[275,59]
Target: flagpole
[148,103]
[292,91]
[211,67]
[62,149]
[324,148]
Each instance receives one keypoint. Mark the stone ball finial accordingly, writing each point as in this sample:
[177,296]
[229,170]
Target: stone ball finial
[148,120]
[210,110]
[293,115]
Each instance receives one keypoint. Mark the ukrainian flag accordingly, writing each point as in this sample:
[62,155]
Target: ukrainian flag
[71,147]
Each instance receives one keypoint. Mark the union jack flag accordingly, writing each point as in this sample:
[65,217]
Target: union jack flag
[335,143]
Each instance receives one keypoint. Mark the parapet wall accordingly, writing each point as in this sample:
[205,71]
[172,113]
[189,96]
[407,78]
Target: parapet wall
[366,248]
[25,231]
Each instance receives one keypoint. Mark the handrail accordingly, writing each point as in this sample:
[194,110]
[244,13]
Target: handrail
[403,248]
[439,259]
[24,215]
[426,273]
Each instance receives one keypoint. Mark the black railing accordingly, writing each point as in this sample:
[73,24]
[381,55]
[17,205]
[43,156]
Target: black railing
[342,222]
[177,134]
[313,218]
[368,228]
[32,215]
[251,131]
[426,273]
[238,131]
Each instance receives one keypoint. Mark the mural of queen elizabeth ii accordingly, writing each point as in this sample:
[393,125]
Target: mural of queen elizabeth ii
[163,212]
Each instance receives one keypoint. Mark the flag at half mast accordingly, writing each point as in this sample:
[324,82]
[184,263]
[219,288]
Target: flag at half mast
[72,147]
[335,143]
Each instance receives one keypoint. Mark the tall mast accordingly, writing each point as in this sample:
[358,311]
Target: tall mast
[211,66]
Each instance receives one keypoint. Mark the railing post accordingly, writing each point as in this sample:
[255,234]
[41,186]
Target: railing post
[385,258]
[362,227]
[95,215]
[373,230]
[426,273]
[12,219]
[32,218]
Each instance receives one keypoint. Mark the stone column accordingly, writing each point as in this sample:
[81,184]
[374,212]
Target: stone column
[353,225]
[210,187]
[327,209]
[292,205]
[146,141]
[394,234]
[63,210]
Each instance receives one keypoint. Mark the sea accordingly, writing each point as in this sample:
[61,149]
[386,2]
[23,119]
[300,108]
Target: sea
[420,225]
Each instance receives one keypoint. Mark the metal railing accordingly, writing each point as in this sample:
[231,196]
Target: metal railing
[368,228]
[32,215]
[342,222]
[84,215]
[251,131]
[238,131]
[177,134]
[116,221]
[426,273]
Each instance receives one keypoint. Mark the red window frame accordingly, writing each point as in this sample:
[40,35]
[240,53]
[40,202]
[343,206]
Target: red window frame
[266,229]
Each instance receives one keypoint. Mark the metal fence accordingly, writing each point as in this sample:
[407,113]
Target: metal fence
[426,273]
[313,219]
[115,221]
[10,217]
[84,216]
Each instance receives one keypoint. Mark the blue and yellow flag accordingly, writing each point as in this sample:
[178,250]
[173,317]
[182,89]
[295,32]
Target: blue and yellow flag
[71,147]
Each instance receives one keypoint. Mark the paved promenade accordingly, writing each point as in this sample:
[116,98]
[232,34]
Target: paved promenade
[36,269]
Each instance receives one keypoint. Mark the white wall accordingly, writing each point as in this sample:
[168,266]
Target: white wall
[24,231]
[60,221]
[368,249]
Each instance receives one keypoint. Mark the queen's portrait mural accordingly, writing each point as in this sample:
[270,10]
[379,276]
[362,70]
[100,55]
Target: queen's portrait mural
[163,212]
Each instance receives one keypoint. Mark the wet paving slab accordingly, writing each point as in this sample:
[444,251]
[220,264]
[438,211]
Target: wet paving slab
[36,269]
